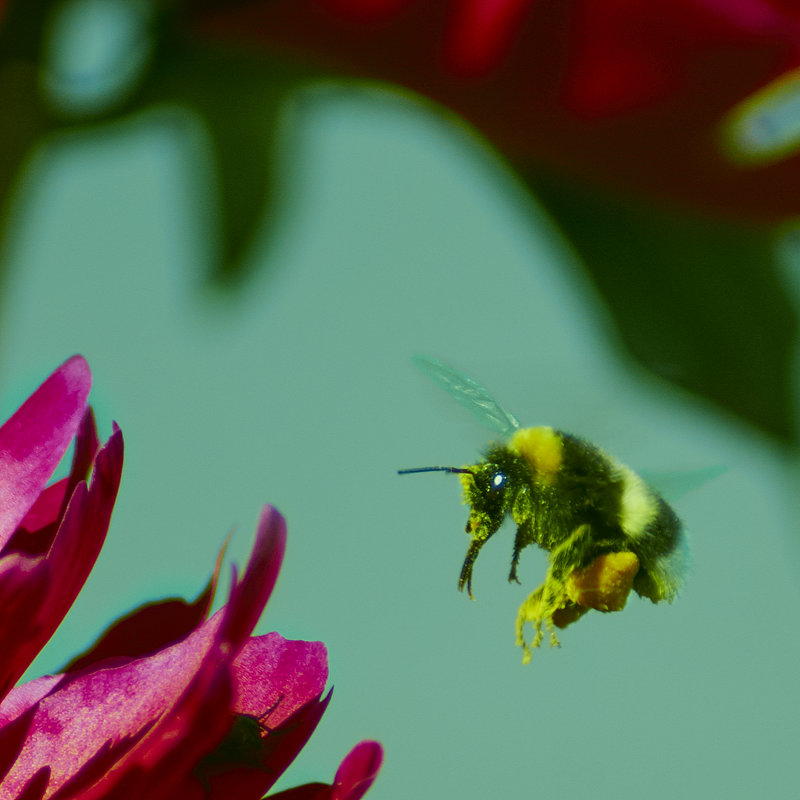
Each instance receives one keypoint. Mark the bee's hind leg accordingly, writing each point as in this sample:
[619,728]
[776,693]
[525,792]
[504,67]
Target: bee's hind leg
[539,609]
[552,597]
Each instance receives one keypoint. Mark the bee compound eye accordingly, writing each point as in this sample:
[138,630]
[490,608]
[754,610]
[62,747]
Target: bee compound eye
[498,481]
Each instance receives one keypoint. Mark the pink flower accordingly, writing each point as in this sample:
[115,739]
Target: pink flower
[167,704]
[50,536]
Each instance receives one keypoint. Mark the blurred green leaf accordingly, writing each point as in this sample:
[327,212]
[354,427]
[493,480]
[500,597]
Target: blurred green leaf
[22,123]
[697,301]
[239,98]
[24,120]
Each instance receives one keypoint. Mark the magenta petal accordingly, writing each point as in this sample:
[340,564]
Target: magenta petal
[22,698]
[277,684]
[243,770]
[33,441]
[144,631]
[179,735]
[24,584]
[275,672]
[250,595]
[64,569]
[308,791]
[52,502]
[80,537]
[151,627]
[44,513]
[35,533]
[353,778]
[84,454]
[36,786]
[117,701]
[12,737]
[358,771]
[214,715]
[167,710]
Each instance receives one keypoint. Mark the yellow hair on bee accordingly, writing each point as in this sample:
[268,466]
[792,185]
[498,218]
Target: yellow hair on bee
[638,506]
[542,448]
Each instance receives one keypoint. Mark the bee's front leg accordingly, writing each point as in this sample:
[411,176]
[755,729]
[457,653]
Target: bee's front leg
[521,539]
[521,513]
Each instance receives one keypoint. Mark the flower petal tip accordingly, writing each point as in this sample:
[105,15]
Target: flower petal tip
[358,771]
[115,446]
[76,371]
[271,540]
[250,594]
[273,520]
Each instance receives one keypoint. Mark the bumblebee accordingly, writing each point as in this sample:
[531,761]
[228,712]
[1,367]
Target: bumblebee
[605,530]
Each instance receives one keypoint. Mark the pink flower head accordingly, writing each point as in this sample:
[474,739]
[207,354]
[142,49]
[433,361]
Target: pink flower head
[167,703]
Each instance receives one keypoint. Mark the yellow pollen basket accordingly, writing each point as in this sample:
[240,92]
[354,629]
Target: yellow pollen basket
[605,584]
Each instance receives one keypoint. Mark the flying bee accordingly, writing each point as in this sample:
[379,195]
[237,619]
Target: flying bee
[606,531]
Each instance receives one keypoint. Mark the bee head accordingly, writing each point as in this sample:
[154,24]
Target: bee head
[485,492]
[484,487]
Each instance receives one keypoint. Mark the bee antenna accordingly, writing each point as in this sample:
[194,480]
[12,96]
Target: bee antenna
[433,469]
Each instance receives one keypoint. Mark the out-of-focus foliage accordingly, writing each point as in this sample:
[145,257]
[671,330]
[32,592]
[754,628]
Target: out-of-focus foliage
[235,96]
[611,92]
[696,300]
[631,123]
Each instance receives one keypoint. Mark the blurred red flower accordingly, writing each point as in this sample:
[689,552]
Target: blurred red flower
[618,93]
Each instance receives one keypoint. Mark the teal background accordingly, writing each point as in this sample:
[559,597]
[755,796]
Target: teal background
[401,237]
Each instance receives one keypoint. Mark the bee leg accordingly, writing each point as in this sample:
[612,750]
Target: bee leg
[520,540]
[529,612]
[466,569]
[521,514]
[564,559]
[552,596]
[538,609]
[570,554]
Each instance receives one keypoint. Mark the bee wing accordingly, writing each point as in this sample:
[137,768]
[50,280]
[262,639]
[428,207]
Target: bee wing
[467,391]
[672,486]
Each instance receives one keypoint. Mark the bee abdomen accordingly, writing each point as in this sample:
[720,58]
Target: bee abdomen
[663,550]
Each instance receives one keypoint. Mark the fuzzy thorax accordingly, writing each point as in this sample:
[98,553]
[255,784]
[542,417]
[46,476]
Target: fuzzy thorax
[543,450]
